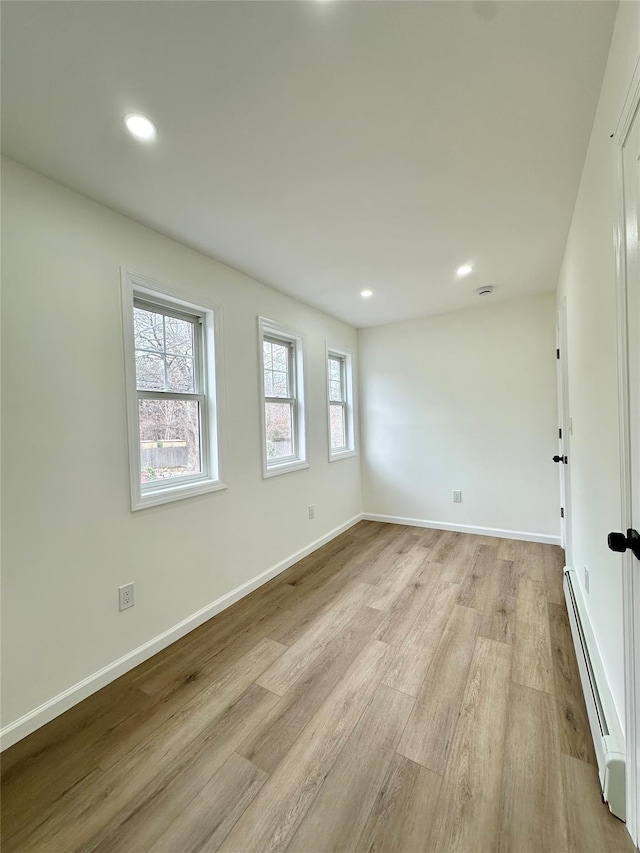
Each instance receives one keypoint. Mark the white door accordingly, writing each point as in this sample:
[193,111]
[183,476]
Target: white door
[629,292]
[631,177]
[563,456]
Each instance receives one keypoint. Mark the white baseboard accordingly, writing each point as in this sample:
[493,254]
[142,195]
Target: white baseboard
[606,731]
[23,726]
[545,538]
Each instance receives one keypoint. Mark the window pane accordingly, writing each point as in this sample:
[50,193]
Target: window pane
[149,372]
[267,355]
[336,380]
[338,432]
[169,439]
[148,330]
[180,374]
[280,384]
[178,336]
[334,369]
[335,391]
[280,357]
[277,381]
[279,429]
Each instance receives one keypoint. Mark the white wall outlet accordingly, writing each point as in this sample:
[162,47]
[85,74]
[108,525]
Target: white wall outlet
[457,496]
[586,579]
[126,596]
[312,511]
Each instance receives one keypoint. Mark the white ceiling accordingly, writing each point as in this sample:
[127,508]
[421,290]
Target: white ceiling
[322,147]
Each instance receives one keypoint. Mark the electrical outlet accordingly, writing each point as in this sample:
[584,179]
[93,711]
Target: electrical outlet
[126,596]
[312,511]
[457,496]
[586,579]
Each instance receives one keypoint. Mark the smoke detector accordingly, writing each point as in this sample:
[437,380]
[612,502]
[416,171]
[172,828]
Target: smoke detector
[484,291]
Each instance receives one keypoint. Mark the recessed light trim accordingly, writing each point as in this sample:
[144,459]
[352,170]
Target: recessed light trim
[464,270]
[140,127]
[366,293]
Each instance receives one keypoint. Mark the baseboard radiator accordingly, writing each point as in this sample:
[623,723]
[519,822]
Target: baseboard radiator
[608,739]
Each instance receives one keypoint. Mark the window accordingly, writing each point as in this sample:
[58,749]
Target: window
[340,404]
[283,420]
[171,394]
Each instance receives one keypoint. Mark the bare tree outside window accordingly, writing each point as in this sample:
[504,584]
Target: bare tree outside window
[279,407]
[170,432]
[283,414]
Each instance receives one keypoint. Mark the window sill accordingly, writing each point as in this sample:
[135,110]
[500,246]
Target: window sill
[285,468]
[177,493]
[343,454]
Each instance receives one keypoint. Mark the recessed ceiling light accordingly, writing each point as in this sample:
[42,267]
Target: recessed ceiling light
[464,270]
[366,293]
[140,126]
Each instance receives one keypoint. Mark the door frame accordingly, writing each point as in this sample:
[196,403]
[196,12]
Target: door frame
[564,420]
[630,574]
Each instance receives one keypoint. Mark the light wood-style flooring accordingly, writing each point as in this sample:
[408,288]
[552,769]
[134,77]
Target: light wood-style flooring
[398,690]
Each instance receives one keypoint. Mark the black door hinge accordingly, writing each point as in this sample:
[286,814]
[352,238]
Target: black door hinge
[559,433]
[561,512]
[557,353]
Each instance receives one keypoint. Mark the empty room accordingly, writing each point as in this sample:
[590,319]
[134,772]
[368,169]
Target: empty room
[320,426]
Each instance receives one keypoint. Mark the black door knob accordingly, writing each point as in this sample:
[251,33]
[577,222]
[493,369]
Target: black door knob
[620,543]
[560,459]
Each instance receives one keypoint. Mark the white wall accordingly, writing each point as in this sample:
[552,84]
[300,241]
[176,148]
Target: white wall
[588,283]
[463,401]
[69,537]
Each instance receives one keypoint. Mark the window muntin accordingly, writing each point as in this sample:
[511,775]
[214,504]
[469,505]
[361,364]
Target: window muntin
[283,437]
[340,405]
[172,404]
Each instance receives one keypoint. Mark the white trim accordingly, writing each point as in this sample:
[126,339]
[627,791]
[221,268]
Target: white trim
[630,584]
[178,492]
[285,468]
[272,328]
[629,108]
[213,443]
[499,533]
[20,728]
[342,454]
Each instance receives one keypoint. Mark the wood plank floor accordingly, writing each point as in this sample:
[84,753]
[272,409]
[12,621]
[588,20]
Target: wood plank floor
[399,690]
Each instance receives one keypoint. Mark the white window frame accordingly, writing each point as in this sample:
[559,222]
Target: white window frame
[209,367]
[350,414]
[270,329]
